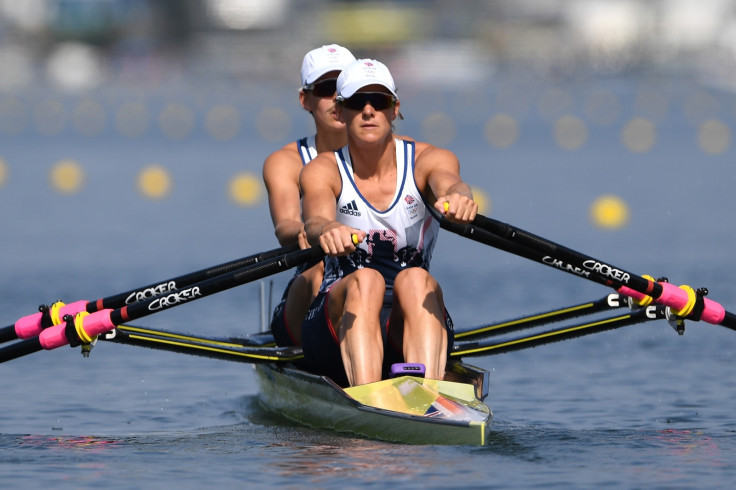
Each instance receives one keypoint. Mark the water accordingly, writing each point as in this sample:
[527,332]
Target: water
[636,407]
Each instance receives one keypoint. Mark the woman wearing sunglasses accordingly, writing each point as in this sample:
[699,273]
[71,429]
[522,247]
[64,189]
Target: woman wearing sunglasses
[366,206]
[320,69]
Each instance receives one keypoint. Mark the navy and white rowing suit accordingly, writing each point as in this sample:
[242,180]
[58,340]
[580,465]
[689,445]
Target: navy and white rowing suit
[396,238]
[307,148]
[399,237]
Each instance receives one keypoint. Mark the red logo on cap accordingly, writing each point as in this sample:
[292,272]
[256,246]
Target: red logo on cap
[368,63]
[332,50]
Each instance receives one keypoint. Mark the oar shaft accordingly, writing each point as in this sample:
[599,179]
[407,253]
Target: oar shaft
[565,258]
[20,349]
[32,325]
[105,320]
[146,292]
[682,301]
[480,235]
[8,333]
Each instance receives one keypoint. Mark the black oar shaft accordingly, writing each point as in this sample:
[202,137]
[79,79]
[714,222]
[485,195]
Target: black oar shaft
[684,301]
[8,333]
[168,285]
[586,265]
[32,325]
[213,285]
[482,236]
[87,327]
[20,349]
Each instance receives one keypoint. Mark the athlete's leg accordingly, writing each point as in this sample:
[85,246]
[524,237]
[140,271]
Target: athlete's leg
[354,308]
[302,292]
[419,308]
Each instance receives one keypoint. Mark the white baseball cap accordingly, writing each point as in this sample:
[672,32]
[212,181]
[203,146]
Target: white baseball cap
[317,62]
[361,73]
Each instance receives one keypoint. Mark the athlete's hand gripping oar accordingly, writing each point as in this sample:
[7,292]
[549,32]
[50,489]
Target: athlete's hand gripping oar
[683,301]
[32,325]
[84,327]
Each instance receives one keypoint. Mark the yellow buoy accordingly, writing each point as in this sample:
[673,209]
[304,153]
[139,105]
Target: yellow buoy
[482,199]
[154,182]
[67,177]
[4,172]
[609,211]
[245,189]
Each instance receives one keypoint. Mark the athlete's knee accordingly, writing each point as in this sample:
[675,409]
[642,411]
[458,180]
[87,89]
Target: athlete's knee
[365,283]
[415,280]
[314,273]
[312,278]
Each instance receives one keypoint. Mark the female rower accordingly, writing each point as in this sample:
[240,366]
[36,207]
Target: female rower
[366,206]
[320,69]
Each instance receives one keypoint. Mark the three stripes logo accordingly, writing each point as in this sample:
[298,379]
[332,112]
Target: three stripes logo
[350,208]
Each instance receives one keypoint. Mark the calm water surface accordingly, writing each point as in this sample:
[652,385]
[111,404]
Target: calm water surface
[633,408]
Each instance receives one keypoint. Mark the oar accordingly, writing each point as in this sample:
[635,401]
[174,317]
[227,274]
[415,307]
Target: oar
[608,302]
[84,327]
[683,301]
[485,348]
[32,325]
[204,347]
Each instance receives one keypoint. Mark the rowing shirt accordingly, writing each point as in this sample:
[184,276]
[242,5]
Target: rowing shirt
[399,237]
[307,148]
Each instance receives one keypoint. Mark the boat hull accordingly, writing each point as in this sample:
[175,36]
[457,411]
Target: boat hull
[316,401]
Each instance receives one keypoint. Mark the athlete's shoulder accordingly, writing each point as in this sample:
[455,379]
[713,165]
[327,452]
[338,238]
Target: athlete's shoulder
[324,161]
[286,155]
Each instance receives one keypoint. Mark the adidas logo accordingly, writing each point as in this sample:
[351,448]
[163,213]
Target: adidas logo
[350,208]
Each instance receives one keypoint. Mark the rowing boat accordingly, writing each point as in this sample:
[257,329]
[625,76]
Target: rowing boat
[405,409]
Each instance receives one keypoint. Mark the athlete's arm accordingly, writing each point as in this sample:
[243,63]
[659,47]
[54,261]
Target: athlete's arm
[438,171]
[321,184]
[281,177]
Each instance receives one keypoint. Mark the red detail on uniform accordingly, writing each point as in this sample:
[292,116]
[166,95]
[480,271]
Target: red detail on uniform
[333,333]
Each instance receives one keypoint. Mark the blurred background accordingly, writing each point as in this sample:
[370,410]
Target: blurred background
[132,132]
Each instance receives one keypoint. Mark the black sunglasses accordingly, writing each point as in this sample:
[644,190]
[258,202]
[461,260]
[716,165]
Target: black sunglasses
[378,100]
[323,88]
